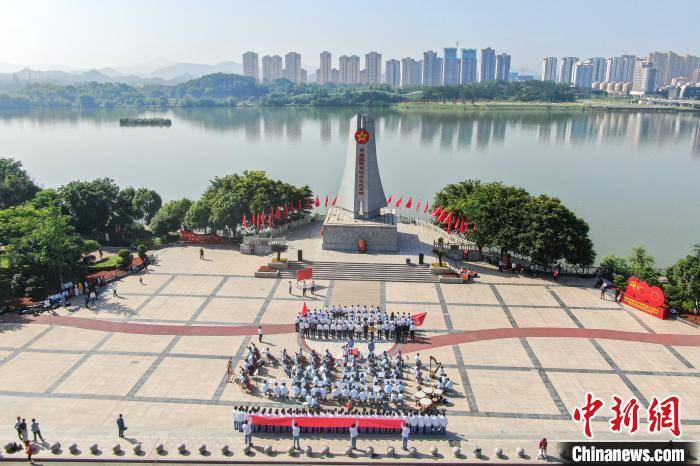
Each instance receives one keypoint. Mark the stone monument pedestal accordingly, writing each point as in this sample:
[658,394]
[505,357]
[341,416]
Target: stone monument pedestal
[342,232]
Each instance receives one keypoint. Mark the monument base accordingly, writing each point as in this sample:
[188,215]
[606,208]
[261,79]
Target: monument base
[342,232]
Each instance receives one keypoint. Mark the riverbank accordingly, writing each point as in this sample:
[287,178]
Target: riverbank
[576,106]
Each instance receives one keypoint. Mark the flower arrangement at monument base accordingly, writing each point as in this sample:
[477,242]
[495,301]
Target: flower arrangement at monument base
[279,264]
[362,245]
[450,277]
[265,271]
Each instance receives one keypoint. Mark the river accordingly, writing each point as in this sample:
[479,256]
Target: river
[634,176]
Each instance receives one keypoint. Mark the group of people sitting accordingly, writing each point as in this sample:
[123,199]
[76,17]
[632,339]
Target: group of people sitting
[419,424]
[343,322]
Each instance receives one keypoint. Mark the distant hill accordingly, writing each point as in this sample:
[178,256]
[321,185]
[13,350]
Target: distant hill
[196,70]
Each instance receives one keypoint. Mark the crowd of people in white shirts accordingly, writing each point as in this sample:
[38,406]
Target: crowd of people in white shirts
[358,322]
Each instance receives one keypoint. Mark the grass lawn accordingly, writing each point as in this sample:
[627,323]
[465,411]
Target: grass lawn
[4,263]
[108,263]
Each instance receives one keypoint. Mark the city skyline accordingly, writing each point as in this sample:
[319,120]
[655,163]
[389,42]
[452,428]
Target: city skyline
[80,35]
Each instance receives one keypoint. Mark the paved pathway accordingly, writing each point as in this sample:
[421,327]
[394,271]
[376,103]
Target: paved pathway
[448,339]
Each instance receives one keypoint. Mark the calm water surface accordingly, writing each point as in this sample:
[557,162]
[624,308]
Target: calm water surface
[635,177]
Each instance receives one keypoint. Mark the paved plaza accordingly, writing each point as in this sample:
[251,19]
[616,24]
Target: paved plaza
[523,352]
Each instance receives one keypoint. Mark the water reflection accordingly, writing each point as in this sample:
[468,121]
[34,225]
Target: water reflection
[451,130]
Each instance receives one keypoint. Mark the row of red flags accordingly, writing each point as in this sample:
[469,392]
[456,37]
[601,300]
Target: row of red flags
[417,319]
[451,222]
[272,215]
[408,204]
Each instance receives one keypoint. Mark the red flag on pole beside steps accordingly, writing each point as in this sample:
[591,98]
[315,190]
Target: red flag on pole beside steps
[418,206]
[399,201]
[409,203]
[305,274]
[270,219]
[458,223]
[442,216]
[326,205]
[463,227]
[448,220]
[304,309]
[418,319]
[437,212]
[300,209]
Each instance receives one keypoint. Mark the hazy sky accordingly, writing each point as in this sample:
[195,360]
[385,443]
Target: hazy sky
[99,33]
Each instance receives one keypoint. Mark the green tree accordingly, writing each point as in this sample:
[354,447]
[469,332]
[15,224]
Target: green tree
[125,258]
[90,245]
[279,248]
[683,291]
[146,203]
[198,216]
[141,250]
[170,217]
[439,253]
[19,221]
[15,185]
[643,265]
[91,205]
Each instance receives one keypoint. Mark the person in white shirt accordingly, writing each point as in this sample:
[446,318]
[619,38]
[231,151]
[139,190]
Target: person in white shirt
[296,432]
[353,436]
[276,391]
[248,433]
[421,424]
[405,433]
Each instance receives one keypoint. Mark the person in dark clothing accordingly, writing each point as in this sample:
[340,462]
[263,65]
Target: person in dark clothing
[121,426]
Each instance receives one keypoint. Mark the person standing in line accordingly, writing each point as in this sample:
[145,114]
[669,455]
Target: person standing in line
[303,288]
[353,435]
[290,287]
[260,333]
[247,434]
[405,433]
[36,430]
[23,428]
[121,426]
[18,427]
[313,287]
[296,432]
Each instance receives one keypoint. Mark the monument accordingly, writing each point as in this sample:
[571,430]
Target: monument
[360,216]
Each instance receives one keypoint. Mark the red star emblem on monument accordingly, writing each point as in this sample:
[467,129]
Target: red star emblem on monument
[362,136]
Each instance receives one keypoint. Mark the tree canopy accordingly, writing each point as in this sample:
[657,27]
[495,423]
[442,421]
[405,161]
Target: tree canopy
[515,222]
[15,185]
[170,217]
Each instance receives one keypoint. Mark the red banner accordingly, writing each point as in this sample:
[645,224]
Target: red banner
[305,274]
[190,237]
[419,318]
[327,421]
[649,299]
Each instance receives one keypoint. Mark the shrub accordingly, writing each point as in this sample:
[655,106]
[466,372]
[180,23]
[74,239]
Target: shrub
[126,258]
[141,250]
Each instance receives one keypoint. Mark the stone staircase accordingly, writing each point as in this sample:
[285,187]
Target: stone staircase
[363,271]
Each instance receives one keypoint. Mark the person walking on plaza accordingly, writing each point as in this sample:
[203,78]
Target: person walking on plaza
[29,449]
[542,454]
[24,431]
[260,333]
[201,254]
[405,433]
[296,432]
[247,434]
[603,290]
[290,287]
[353,436]
[36,430]
[114,290]
[121,426]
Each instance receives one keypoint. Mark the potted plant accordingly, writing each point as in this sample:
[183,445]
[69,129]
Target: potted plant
[451,277]
[279,262]
[439,267]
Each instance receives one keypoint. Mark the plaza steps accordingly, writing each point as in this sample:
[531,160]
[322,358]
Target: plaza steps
[363,271]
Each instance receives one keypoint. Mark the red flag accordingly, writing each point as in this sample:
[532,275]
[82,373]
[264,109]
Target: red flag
[291,207]
[475,227]
[255,219]
[308,203]
[335,199]
[458,222]
[305,274]
[437,211]
[442,216]
[448,220]
[300,209]
[464,227]
[449,228]
[244,222]
[399,201]
[271,219]
[278,213]
[318,202]
[418,206]
[419,318]
[427,207]
[304,310]
[388,201]
[326,205]
[409,203]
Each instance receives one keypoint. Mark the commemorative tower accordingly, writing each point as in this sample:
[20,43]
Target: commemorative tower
[360,214]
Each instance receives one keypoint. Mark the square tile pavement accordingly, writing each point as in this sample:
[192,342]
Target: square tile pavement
[541,317]
[246,286]
[170,308]
[220,346]
[527,295]
[66,338]
[477,317]
[468,294]
[572,389]
[507,352]
[629,355]
[618,320]
[193,284]
[34,372]
[416,292]
[573,353]
[103,374]
[17,335]
[184,378]
[231,310]
[511,392]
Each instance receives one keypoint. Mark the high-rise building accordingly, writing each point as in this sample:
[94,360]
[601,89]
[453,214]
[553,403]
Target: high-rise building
[393,73]
[411,71]
[304,76]
[349,69]
[373,67]
[670,65]
[566,70]
[432,69]
[335,76]
[468,74]
[292,67]
[451,67]
[696,76]
[549,69]
[599,64]
[324,72]
[250,65]
[643,80]
[271,68]
[583,75]
[503,67]
[487,65]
